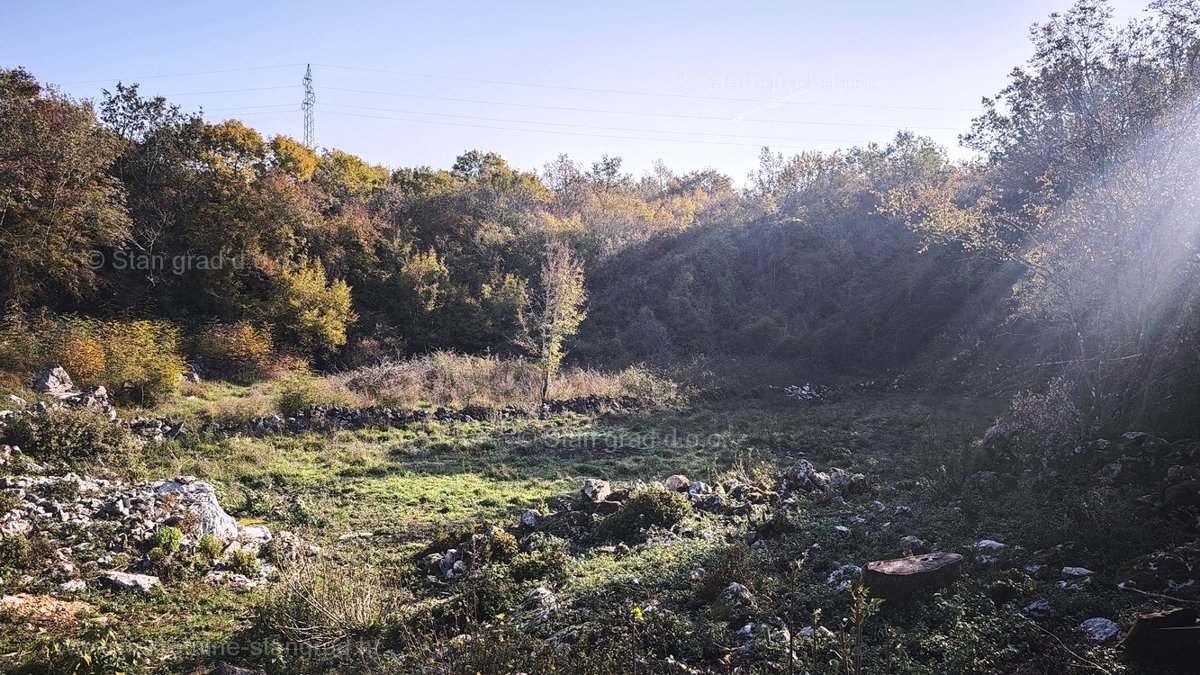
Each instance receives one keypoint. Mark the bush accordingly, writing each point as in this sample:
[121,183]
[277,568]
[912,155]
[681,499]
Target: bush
[641,383]
[245,562]
[325,604]
[239,352]
[209,546]
[84,358]
[296,394]
[493,545]
[66,434]
[21,553]
[167,538]
[142,360]
[538,565]
[1045,421]
[654,507]
[137,361]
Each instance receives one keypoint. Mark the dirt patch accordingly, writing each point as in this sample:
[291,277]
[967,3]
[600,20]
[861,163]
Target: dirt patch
[46,612]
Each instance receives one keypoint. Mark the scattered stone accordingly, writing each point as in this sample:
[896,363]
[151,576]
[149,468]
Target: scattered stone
[989,545]
[73,586]
[839,481]
[1100,630]
[131,582]
[530,518]
[804,477]
[595,490]
[735,602]
[226,669]
[843,576]
[910,545]
[1077,572]
[677,483]
[903,577]
[540,598]
[54,381]
[200,499]
[1040,610]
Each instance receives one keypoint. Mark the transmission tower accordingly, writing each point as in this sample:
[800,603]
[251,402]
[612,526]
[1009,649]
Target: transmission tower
[310,100]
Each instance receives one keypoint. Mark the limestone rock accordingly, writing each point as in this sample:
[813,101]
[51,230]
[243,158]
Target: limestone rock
[55,381]
[131,582]
[677,483]
[1040,609]
[540,598]
[595,490]
[735,603]
[1100,629]
[803,476]
[903,577]
[200,498]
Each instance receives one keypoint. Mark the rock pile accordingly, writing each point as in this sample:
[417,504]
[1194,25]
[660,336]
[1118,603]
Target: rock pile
[807,393]
[98,529]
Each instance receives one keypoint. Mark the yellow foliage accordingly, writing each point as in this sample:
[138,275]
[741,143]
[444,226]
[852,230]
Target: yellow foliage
[293,158]
[240,351]
[83,358]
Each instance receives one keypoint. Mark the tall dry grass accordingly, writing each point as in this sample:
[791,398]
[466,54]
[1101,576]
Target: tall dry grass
[449,379]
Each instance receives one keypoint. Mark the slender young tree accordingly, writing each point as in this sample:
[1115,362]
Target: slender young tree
[552,312]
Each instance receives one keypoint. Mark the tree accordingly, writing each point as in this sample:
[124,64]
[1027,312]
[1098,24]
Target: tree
[56,199]
[553,312]
[311,312]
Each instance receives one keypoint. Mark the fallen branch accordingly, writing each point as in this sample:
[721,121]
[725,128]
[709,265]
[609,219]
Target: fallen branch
[1085,662]
[1168,598]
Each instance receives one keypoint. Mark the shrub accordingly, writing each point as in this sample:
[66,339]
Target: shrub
[654,507]
[537,565]
[245,562]
[240,352]
[296,394]
[167,538]
[324,604]
[209,546]
[22,553]
[493,545]
[137,361]
[1045,421]
[84,358]
[8,501]
[142,360]
[14,552]
[639,382]
[66,434]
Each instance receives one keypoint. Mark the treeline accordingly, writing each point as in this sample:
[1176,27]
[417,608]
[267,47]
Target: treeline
[1068,249]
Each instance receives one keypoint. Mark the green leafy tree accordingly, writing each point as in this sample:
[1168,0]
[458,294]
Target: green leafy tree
[553,311]
[310,311]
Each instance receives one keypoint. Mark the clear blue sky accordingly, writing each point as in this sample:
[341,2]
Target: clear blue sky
[693,84]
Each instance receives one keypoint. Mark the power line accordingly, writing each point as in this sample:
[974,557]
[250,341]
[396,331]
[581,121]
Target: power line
[639,93]
[623,112]
[563,133]
[583,126]
[202,72]
[229,91]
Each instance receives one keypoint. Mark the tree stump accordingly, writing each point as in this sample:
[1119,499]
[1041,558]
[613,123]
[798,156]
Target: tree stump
[900,578]
[1170,638]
